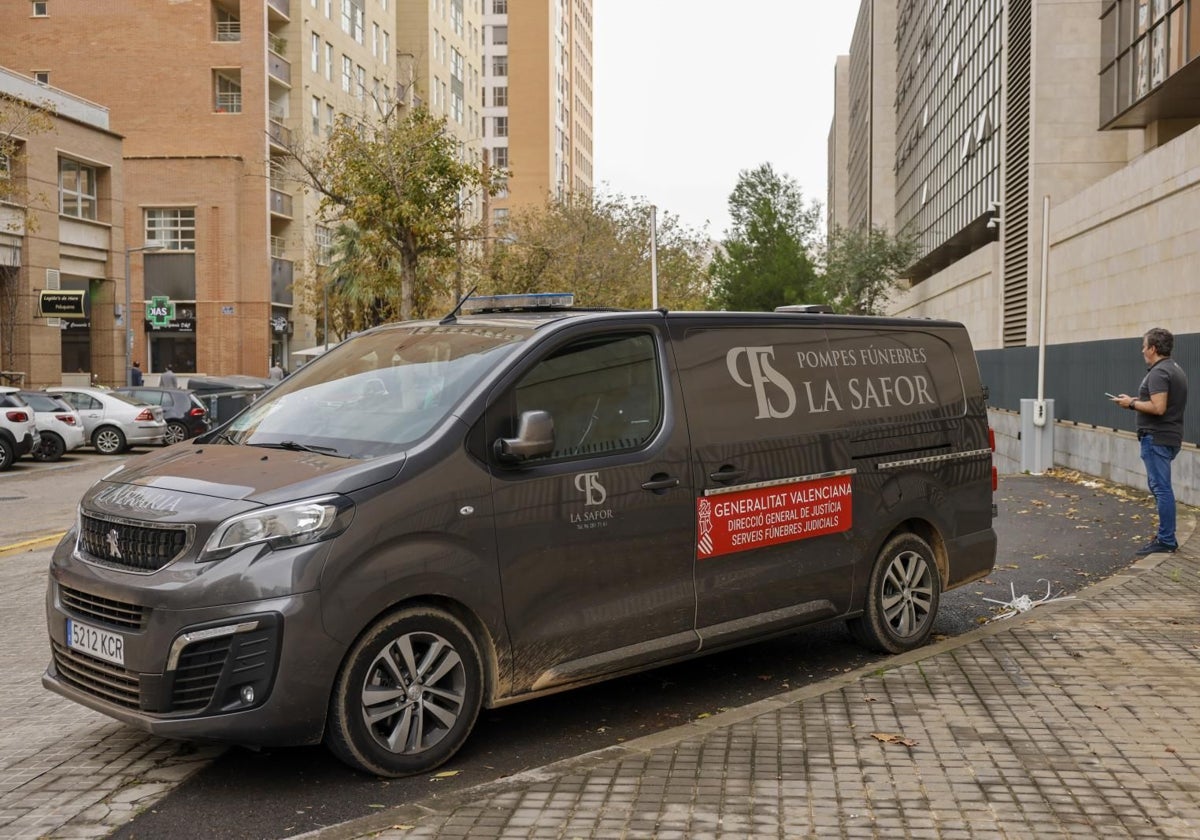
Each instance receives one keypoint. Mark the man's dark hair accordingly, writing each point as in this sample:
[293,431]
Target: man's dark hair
[1161,340]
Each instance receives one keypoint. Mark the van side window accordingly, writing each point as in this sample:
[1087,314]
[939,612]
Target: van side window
[603,393]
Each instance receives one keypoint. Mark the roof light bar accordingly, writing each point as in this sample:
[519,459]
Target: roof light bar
[517,303]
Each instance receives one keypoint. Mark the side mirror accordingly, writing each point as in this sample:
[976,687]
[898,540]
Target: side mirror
[535,436]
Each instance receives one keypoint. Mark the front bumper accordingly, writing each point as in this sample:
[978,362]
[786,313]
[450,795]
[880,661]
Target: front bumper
[186,671]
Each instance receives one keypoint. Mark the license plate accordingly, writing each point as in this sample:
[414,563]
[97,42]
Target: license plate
[96,642]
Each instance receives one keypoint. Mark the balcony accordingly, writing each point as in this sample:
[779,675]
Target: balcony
[279,133]
[281,203]
[281,8]
[281,281]
[278,66]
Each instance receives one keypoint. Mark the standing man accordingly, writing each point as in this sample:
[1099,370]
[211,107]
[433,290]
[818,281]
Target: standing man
[135,374]
[276,372]
[1159,404]
[168,380]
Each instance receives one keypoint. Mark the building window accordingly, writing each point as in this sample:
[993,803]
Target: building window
[41,8]
[328,62]
[316,116]
[500,126]
[316,53]
[228,26]
[456,66]
[501,156]
[76,189]
[174,228]
[387,47]
[347,74]
[499,65]
[500,216]
[328,120]
[499,35]
[499,7]
[324,242]
[362,81]
[42,77]
[456,106]
[228,85]
[500,96]
[353,19]
[456,16]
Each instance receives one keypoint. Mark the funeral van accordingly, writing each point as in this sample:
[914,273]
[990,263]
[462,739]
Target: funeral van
[436,517]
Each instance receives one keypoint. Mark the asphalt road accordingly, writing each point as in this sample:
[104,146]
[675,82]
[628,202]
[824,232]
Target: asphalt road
[1056,529]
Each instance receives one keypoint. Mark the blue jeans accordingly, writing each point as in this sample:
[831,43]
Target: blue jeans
[1158,476]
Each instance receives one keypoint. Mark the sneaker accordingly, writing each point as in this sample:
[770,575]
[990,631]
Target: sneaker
[1156,547]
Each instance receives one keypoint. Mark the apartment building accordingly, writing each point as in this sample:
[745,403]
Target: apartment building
[440,44]
[61,236]
[1072,124]
[209,95]
[537,99]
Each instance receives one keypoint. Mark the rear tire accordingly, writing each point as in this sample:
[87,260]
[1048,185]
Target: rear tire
[176,433]
[407,695]
[8,453]
[902,597]
[109,440]
[52,448]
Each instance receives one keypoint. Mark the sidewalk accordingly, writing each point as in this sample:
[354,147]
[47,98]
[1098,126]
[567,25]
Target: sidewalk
[1080,718]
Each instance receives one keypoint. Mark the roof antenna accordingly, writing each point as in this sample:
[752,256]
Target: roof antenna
[450,319]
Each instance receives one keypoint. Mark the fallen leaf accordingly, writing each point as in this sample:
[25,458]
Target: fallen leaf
[1011,566]
[1039,556]
[888,738]
[446,774]
[703,715]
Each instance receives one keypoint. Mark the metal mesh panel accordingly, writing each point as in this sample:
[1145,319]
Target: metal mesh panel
[1077,375]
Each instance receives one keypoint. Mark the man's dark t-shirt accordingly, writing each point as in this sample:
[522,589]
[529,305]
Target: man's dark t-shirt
[1164,376]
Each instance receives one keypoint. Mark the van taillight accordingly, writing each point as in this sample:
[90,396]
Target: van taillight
[17,416]
[995,472]
[146,414]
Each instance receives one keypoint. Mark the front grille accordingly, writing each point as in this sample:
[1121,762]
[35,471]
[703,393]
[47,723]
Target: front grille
[111,683]
[138,548]
[103,610]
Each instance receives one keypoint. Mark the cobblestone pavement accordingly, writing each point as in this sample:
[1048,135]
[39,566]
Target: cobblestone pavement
[1078,719]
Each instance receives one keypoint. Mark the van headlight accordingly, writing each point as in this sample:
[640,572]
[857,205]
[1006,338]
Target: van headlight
[281,526]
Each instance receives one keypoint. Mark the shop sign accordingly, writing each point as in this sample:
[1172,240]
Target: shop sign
[61,304]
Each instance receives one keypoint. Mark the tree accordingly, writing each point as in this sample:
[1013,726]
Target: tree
[863,267]
[400,182]
[598,247]
[765,260]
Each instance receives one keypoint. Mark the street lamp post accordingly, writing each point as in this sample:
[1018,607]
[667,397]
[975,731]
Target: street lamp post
[149,246]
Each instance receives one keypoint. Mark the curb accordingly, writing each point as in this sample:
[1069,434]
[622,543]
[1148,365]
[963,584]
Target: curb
[441,804]
[29,544]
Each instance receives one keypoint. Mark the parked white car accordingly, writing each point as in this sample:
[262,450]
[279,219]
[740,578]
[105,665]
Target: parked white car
[114,422]
[18,432]
[60,426]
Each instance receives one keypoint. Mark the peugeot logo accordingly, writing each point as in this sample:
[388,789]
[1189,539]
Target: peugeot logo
[114,548]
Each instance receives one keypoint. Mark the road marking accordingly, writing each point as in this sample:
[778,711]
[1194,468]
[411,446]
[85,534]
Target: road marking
[26,545]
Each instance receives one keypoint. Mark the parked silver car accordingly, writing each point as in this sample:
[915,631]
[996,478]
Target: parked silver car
[114,422]
[17,429]
[59,425]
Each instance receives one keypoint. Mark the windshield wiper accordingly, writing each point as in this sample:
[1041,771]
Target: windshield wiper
[296,446]
[228,438]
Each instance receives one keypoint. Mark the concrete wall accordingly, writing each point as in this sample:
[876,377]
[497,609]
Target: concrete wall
[1100,452]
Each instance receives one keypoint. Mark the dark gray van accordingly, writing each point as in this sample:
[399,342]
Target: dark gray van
[436,517]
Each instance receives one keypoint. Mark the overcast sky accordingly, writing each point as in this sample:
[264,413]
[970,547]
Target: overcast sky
[687,93]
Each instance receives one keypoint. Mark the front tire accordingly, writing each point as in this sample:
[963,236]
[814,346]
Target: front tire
[407,695]
[51,449]
[902,597]
[8,453]
[109,440]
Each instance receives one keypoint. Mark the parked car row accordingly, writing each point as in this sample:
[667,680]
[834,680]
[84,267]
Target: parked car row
[47,424]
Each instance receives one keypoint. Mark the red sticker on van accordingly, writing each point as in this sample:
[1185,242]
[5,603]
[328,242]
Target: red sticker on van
[730,522]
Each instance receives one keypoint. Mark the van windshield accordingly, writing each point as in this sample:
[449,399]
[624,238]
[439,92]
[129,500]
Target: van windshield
[377,393]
